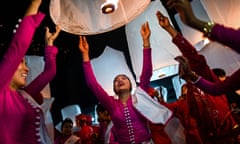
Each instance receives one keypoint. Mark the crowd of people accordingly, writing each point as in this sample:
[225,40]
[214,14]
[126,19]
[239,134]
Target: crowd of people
[207,108]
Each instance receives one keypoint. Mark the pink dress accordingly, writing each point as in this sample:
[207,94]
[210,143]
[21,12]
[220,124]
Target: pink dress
[130,125]
[21,119]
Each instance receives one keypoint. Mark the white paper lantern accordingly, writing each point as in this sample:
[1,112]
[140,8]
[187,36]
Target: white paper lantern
[85,17]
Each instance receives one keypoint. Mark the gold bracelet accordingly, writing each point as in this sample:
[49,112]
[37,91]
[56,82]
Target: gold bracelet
[208,28]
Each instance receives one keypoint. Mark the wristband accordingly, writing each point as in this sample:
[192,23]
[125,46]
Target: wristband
[208,28]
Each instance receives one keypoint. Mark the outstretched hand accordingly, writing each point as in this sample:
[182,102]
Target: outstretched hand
[162,20]
[84,47]
[83,44]
[50,37]
[184,70]
[165,24]
[33,7]
[145,33]
[183,7]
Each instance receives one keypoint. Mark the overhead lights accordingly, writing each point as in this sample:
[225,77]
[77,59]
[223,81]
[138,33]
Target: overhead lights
[109,6]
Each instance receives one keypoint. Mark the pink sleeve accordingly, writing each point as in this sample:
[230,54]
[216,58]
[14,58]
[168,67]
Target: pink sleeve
[227,36]
[230,84]
[146,69]
[96,88]
[47,75]
[18,47]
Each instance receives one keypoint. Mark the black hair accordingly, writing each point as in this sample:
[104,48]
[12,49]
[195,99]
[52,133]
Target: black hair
[100,108]
[66,120]
[124,76]
[219,72]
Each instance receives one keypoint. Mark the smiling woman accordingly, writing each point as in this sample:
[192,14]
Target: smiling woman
[18,100]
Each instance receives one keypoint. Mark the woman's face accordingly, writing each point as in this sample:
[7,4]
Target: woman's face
[121,84]
[67,128]
[19,79]
[101,116]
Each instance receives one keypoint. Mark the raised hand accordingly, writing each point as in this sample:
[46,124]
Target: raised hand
[165,24]
[84,47]
[145,33]
[163,20]
[83,44]
[185,72]
[50,37]
[183,7]
[185,11]
[33,7]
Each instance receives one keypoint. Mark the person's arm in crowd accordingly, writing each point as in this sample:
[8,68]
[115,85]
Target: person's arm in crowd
[197,62]
[165,24]
[35,87]
[219,87]
[20,42]
[91,80]
[147,57]
[217,32]
[231,83]
[185,71]
[33,8]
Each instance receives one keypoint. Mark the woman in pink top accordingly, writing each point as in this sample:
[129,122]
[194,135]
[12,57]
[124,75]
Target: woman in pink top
[131,126]
[21,117]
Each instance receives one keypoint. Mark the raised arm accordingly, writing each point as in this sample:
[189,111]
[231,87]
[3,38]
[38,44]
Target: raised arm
[217,32]
[20,43]
[92,83]
[183,45]
[221,87]
[197,62]
[84,48]
[33,8]
[147,57]
[145,34]
[49,72]
[165,24]
[183,7]
[185,72]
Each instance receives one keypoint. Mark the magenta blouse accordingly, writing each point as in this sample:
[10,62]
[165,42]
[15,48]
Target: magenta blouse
[130,125]
[21,120]
[231,38]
